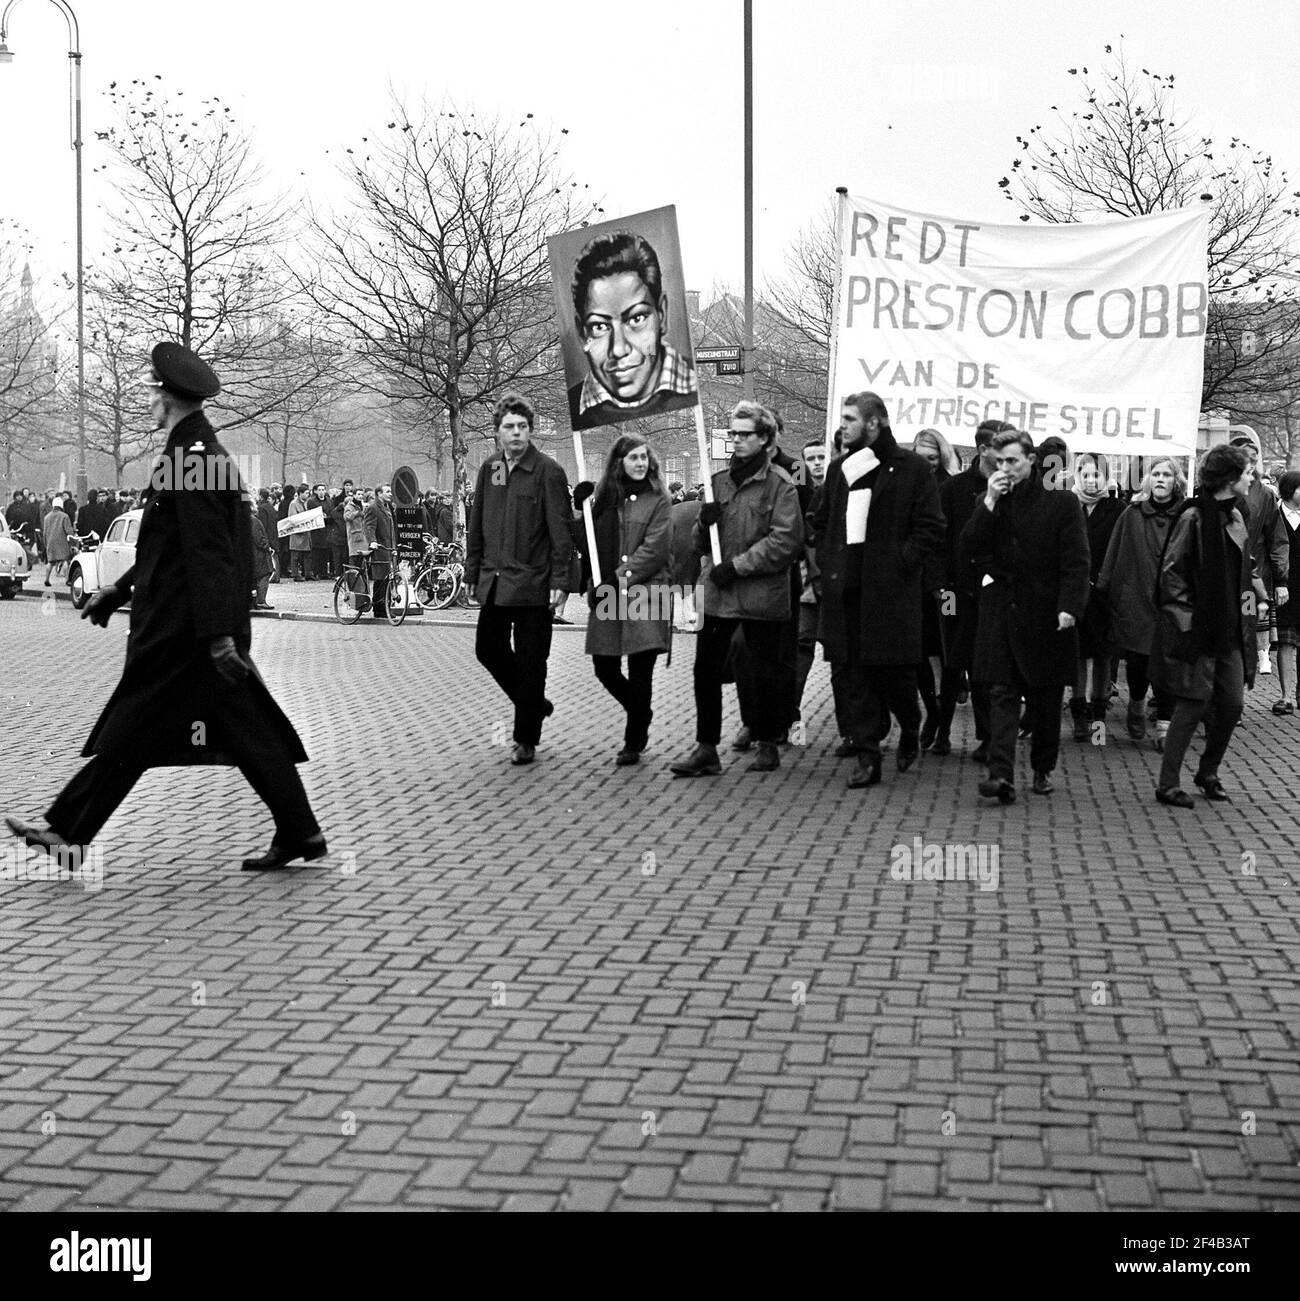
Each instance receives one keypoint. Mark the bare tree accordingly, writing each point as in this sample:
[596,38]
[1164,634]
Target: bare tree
[440,270]
[197,246]
[29,360]
[1124,153]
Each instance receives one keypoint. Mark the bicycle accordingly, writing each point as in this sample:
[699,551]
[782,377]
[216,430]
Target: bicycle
[353,589]
[437,586]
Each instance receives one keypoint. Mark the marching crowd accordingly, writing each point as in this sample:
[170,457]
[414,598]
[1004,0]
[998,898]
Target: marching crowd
[1028,572]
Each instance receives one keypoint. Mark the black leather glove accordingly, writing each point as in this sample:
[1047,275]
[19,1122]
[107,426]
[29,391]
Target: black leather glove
[581,492]
[710,512]
[724,574]
[226,661]
[102,604]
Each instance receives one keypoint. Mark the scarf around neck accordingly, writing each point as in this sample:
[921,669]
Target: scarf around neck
[743,468]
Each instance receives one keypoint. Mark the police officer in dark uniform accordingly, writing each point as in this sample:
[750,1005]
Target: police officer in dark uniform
[189,692]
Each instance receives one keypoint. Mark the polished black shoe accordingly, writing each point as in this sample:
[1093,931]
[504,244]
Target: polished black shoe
[627,756]
[37,837]
[909,751]
[1212,787]
[1043,784]
[547,708]
[523,753]
[784,739]
[867,773]
[929,729]
[847,749]
[744,739]
[701,762]
[999,789]
[768,758]
[1178,797]
[280,856]
[942,746]
[980,754]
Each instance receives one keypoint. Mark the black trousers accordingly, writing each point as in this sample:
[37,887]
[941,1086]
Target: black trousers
[1222,713]
[872,692]
[949,690]
[805,652]
[1042,716]
[789,685]
[88,801]
[634,692]
[762,646]
[1136,670]
[519,669]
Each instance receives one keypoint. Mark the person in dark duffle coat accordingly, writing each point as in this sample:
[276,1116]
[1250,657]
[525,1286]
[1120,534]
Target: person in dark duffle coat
[1032,543]
[189,693]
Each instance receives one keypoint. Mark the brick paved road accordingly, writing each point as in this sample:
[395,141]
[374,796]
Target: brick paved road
[483,999]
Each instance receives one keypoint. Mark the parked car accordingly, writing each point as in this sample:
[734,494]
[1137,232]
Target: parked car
[15,566]
[102,567]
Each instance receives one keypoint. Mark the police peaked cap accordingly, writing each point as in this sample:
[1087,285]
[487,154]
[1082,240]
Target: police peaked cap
[184,373]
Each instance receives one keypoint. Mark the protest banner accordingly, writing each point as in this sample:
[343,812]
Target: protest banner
[308,519]
[1091,332]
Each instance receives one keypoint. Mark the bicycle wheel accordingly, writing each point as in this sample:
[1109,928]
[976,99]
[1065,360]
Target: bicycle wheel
[397,596]
[436,586]
[347,603]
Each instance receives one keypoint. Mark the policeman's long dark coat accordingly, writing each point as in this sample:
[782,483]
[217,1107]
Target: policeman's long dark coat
[190,583]
[1035,546]
[904,531]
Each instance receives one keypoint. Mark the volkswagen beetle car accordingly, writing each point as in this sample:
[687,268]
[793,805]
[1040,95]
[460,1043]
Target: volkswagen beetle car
[92,570]
[15,568]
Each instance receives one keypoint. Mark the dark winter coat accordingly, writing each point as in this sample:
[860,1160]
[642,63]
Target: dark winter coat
[904,531]
[262,566]
[1268,545]
[1181,571]
[519,531]
[1127,578]
[1100,522]
[644,572]
[190,583]
[686,559]
[1035,548]
[380,527]
[761,532]
[958,497]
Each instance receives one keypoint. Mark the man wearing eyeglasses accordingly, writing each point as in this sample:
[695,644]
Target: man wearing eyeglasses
[189,693]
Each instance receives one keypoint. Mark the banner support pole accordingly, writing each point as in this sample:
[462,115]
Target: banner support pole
[588,520]
[706,469]
[832,377]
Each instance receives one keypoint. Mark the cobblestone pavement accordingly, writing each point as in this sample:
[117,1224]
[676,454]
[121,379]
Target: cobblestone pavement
[575,985]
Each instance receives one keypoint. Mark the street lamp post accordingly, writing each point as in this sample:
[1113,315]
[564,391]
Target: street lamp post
[74,72]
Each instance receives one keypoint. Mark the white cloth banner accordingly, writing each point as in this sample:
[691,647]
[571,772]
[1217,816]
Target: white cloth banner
[302,522]
[1094,333]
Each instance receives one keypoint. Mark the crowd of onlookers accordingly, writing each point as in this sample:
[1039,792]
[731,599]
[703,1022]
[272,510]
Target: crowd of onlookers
[47,525]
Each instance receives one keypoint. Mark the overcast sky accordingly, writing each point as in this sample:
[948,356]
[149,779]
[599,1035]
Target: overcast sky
[919,104]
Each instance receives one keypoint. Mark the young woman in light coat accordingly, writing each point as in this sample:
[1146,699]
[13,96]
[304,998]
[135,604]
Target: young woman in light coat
[631,612]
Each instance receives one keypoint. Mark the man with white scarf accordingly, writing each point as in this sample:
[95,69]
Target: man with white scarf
[876,524]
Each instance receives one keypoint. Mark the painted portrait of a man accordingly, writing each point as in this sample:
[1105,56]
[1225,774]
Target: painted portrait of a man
[623,315]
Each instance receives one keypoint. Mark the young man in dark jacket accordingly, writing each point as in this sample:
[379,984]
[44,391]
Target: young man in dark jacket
[517,560]
[1029,550]
[876,527]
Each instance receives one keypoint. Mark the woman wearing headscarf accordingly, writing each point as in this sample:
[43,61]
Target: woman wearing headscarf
[631,611]
[56,528]
[1092,485]
[1127,584]
[1208,591]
